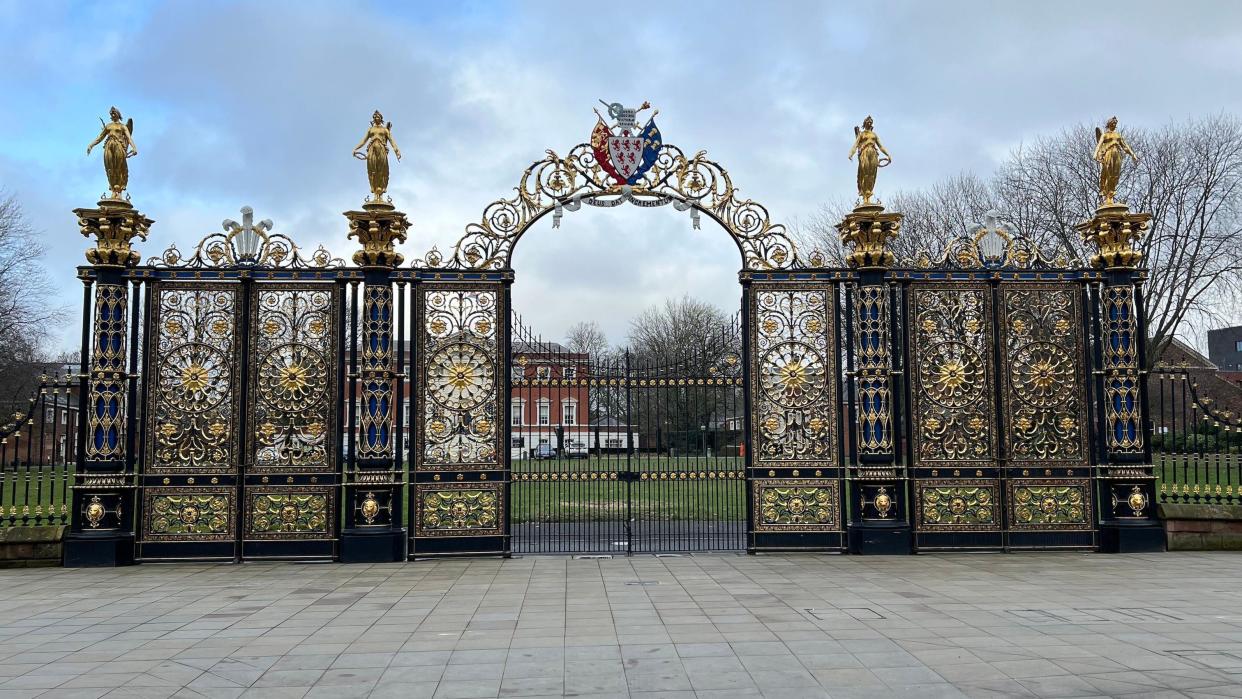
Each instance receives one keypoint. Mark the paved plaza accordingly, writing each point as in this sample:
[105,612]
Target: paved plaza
[1045,625]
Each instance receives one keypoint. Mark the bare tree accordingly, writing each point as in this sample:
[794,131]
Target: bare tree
[25,313]
[586,337]
[1189,178]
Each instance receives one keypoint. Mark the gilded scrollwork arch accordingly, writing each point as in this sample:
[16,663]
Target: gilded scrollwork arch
[555,184]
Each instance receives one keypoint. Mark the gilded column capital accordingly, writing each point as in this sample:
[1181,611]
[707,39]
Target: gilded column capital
[379,227]
[866,231]
[113,225]
[1115,233]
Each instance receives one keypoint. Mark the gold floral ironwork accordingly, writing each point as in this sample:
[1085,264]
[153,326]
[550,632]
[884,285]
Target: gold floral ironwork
[795,403]
[459,377]
[963,504]
[453,509]
[952,383]
[193,388]
[297,513]
[795,505]
[188,516]
[293,376]
[1050,504]
[1042,367]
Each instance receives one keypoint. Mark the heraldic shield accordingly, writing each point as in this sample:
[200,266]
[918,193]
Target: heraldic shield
[624,151]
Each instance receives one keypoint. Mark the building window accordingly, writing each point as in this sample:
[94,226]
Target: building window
[517,413]
[543,373]
[517,442]
[1237,346]
[612,443]
[545,412]
[571,372]
[569,412]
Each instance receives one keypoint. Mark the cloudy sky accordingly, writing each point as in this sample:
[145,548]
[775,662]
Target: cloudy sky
[259,103]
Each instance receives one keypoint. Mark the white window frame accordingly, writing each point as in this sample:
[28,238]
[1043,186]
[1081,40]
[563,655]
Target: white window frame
[518,416]
[569,409]
[544,415]
[543,372]
[569,372]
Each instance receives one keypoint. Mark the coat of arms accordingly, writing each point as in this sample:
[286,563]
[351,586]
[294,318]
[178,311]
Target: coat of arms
[625,151]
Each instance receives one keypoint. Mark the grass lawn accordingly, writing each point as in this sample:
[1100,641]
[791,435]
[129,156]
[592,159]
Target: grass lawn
[566,492]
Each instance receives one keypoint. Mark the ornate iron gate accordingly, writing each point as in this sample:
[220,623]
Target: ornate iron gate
[625,451]
[251,401]
[242,420]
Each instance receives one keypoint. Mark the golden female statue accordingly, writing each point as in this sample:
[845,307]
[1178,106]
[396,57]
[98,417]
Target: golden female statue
[868,147]
[1110,150]
[376,141]
[118,143]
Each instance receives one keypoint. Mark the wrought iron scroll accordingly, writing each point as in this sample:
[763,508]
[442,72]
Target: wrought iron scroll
[795,365]
[193,415]
[294,357]
[460,370]
[555,183]
[461,378]
[1042,365]
[794,408]
[952,405]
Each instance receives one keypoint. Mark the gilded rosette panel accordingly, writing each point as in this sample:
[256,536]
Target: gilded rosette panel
[1045,384]
[290,513]
[951,348]
[294,360]
[1122,406]
[874,399]
[204,514]
[1050,504]
[105,420]
[460,378]
[458,510]
[794,361]
[192,416]
[377,364]
[796,505]
[967,505]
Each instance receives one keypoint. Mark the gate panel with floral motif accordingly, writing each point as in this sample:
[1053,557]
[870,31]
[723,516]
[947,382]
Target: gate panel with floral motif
[191,452]
[957,487]
[459,491]
[290,497]
[1044,398]
[795,476]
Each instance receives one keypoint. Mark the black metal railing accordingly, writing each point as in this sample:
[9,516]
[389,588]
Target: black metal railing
[626,450]
[38,451]
[1196,437]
